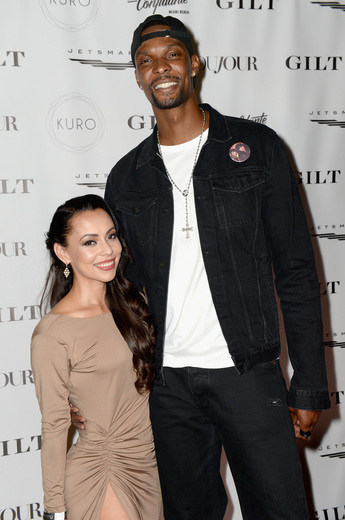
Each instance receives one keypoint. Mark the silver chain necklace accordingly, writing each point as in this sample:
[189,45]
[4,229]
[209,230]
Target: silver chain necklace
[185,192]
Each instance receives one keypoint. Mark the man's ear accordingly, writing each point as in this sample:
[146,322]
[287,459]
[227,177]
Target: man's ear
[137,80]
[61,253]
[195,64]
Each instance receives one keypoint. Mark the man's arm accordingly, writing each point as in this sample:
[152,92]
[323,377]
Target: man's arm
[77,420]
[297,287]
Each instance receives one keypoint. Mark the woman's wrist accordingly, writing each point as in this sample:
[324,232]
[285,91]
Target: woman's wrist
[53,516]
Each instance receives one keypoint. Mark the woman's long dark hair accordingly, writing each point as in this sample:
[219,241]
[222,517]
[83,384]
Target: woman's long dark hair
[127,305]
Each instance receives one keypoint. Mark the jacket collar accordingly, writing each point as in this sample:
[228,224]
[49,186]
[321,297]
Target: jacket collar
[218,131]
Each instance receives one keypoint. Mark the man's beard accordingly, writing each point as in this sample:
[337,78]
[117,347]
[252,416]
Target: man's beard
[169,102]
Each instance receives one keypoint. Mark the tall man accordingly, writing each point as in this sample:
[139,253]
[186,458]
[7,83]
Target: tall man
[208,204]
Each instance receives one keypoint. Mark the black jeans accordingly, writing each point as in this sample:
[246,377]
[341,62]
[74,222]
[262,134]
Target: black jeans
[196,411]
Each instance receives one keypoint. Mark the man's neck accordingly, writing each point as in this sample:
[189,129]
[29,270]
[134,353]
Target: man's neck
[179,125]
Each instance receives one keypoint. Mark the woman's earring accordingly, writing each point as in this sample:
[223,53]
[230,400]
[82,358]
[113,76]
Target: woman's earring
[66,271]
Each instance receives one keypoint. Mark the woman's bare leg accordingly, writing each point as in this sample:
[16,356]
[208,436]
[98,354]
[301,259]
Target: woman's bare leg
[112,509]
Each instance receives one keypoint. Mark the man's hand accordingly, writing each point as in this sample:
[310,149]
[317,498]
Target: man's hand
[77,420]
[303,420]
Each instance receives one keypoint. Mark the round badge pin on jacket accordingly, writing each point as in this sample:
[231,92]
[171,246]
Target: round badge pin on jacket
[239,152]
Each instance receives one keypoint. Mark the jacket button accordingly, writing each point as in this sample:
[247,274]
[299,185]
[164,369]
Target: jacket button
[136,210]
[161,265]
[165,210]
[160,320]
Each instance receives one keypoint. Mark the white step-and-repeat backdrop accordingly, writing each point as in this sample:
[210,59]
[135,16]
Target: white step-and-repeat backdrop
[70,108]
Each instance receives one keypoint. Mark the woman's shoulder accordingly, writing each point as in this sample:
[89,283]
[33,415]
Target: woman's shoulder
[53,324]
[46,337]
[46,324]
[66,325]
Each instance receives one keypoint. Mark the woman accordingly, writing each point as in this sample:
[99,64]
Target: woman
[94,348]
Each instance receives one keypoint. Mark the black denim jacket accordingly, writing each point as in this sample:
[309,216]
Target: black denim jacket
[250,219]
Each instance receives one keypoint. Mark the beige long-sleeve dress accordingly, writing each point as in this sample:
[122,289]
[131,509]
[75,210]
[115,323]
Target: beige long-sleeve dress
[87,361]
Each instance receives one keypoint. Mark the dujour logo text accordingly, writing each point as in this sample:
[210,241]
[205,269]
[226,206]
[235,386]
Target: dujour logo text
[27,511]
[10,249]
[9,123]
[16,378]
[228,63]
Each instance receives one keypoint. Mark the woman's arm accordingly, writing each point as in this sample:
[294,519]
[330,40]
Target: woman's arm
[50,365]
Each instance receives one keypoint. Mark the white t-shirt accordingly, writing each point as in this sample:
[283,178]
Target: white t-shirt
[193,334]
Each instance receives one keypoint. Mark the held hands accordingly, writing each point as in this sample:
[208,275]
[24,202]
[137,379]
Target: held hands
[77,420]
[303,422]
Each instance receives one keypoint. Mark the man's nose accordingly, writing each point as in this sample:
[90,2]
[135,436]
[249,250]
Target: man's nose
[161,66]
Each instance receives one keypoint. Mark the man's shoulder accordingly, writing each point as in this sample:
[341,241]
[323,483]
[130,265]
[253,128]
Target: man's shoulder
[131,157]
[123,172]
[249,126]
[238,126]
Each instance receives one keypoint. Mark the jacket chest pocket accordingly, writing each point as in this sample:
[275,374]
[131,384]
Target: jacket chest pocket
[238,197]
[138,218]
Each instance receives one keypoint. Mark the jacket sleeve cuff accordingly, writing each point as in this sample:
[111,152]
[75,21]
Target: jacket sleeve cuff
[303,399]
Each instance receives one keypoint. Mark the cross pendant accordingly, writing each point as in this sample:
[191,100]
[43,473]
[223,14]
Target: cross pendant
[187,229]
